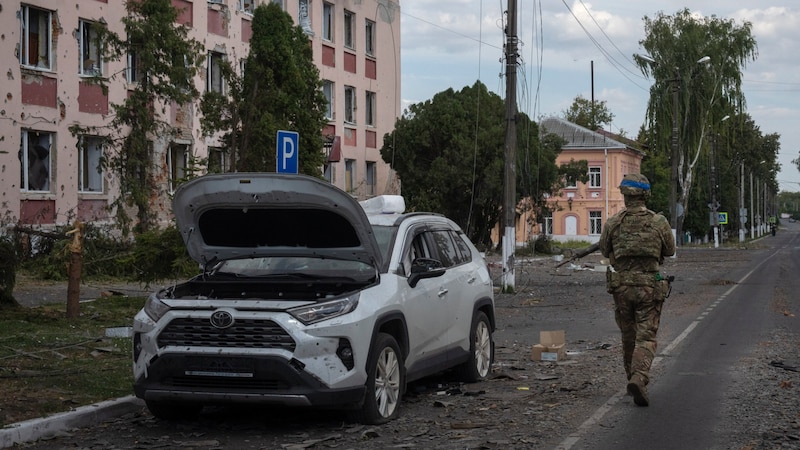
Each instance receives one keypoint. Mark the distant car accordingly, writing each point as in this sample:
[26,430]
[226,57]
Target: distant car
[308,298]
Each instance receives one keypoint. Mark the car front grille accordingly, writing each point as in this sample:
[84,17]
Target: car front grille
[232,384]
[245,333]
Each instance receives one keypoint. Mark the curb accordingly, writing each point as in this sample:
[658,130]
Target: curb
[34,429]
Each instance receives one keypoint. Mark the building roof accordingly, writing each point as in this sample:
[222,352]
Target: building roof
[578,137]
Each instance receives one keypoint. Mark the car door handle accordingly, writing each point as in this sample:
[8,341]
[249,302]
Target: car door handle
[471,280]
[442,292]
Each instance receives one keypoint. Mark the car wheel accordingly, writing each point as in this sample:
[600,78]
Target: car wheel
[174,410]
[385,382]
[481,350]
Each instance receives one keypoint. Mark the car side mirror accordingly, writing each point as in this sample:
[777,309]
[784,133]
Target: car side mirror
[422,268]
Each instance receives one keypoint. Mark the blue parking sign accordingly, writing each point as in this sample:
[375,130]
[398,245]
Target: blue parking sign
[286,151]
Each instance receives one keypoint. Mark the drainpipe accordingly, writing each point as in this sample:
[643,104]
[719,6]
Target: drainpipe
[608,175]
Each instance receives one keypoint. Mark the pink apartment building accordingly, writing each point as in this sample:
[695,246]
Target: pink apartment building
[47,178]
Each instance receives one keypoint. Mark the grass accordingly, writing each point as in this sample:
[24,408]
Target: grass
[51,364]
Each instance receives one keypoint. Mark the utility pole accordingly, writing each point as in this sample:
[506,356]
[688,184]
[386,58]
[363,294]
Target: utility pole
[742,211]
[673,175]
[510,187]
[713,205]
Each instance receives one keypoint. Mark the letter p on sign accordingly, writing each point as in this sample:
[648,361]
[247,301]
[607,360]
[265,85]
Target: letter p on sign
[286,151]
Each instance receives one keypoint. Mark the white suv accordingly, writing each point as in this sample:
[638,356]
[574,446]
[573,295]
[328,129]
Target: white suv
[308,298]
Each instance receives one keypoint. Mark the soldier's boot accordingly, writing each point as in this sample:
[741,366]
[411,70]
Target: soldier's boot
[637,387]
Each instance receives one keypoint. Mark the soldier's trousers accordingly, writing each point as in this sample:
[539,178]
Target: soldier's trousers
[638,312]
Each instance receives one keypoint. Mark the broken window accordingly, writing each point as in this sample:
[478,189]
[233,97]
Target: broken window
[35,160]
[36,38]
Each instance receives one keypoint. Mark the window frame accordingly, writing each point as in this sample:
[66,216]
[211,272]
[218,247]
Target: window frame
[350,175]
[595,177]
[595,222]
[87,34]
[547,223]
[25,38]
[215,82]
[328,21]
[90,179]
[177,170]
[132,67]
[304,16]
[242,5]
[370,177]
[349,30]
[350,105]
[369,108]
[25,162]
[369,37]
[329,90]
[219,158]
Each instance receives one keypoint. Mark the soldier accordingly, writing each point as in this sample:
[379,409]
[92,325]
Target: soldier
[636,240]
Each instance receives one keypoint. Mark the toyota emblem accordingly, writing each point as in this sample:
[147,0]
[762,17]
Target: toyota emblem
[221,319]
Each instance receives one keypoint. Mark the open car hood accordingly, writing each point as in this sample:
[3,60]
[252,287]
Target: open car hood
[237,215]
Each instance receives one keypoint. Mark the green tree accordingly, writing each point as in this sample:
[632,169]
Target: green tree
[708,88]
[166,68]
[588,114]
[280,90]
[449,155]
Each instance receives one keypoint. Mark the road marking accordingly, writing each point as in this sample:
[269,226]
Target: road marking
[595,418]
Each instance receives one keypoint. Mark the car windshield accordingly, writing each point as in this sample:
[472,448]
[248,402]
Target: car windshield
[384,236]
[305,267]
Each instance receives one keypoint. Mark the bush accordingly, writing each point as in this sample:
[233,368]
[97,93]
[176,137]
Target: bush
[160,254]
[47,254]
[151,256]
[543,244]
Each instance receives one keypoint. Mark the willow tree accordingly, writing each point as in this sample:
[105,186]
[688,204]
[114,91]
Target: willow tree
[279,90]
[697,64]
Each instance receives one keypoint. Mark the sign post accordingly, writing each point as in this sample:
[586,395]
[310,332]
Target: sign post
[286,151]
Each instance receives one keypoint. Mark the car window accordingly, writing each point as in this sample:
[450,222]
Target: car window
[448,254]
[462,247]
[418,248]
[384,236]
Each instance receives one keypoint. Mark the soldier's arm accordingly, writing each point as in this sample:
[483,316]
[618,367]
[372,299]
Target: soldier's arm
[605,238]
[667,240]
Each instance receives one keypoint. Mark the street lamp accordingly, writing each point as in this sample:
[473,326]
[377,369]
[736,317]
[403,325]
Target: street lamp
[714,204]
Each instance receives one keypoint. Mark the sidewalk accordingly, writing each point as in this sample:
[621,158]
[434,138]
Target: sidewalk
[35,429]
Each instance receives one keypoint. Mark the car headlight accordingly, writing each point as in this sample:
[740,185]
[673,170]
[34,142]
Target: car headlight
[325,310]
[155,308]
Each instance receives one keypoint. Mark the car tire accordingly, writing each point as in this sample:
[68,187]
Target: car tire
[174,410]
[481,350]
[385,382]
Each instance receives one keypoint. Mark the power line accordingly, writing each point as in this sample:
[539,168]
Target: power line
[451,31]
[614,63]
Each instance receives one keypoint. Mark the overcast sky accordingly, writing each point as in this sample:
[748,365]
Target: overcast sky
[453,43]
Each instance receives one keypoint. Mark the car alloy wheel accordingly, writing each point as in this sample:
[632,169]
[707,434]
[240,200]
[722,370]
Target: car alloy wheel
[385,381]
[481,351]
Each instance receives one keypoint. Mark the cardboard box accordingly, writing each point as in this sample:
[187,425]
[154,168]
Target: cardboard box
[551,347]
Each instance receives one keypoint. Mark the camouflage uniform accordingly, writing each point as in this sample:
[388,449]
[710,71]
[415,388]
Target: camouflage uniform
[636,240]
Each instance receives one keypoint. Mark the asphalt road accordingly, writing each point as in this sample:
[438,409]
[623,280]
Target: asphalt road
[712,388]
[699,369]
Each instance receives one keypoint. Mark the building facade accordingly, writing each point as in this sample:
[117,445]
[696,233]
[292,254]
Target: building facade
[581,209]
[50,177]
